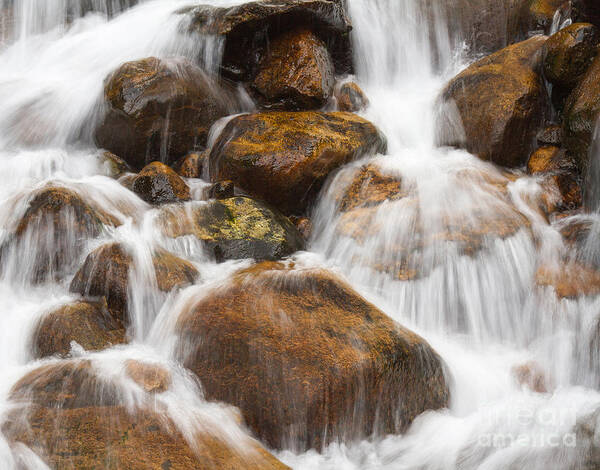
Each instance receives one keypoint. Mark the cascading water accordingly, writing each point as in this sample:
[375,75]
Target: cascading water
[477,307]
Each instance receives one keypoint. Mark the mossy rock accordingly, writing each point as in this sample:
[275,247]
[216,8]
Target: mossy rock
[235,228]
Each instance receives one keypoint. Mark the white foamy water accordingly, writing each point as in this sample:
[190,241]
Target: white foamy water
[481,311]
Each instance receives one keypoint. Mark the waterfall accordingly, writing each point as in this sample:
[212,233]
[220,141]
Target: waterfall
[454,259]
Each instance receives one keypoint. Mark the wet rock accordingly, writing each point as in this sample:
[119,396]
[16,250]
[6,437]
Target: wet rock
[295,73]
[557,169]
[54,229]
[114,166]
[538,15]
[551,135]
[191,166]
[500,101]
[580,115]
[221,190]
[89,324]
[569,53]
[105,273]
[248,30]
[306,359]
[304,226]
[159,184]
[127,180]
[151,377]
[369,186]
[570,280]
[235,228]
[284,158]
[159,109]
[532,376]
[76,420]
[351,98]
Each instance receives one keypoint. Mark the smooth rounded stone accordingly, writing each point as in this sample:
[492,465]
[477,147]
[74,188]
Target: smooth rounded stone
[234,228]
[350,97]
[551,135]
[284,158]
[569,280]
[113,165]
[105,273]
[250,28]
[54,230]
[306,359]
[71,418]
[191,166]
[159,184]
[495,107]
[159,109]
[151,377]
[221,190]
[296,72]
[89,324]
[580,115]
[569,53]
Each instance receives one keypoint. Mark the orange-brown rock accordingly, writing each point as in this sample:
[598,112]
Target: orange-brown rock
[559,170]
[159,109]
[127,180]
[569,53]
[56,225]
[191,166]
[580,115]
[105,273]
[221,190]
[350,97]
[284,158]
[90,324]
[304,226]
[159,184]
[295,73]
[495,107]
[538,15]
[151,377]
[234,228]
[76,420]
[306,359]
[570,280]
[254,26]
[369,186]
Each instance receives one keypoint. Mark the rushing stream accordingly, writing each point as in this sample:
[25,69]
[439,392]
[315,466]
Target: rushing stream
[482,313]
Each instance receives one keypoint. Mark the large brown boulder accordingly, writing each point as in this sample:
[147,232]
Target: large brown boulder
[249,28]
[158,109]
[105,273]
[284,158]
[53,230]
[581,114]
[159,184]
[306,359]
[495,107]
[569,53]
[72,419]
[295,73]
[90,324]
[234,228]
